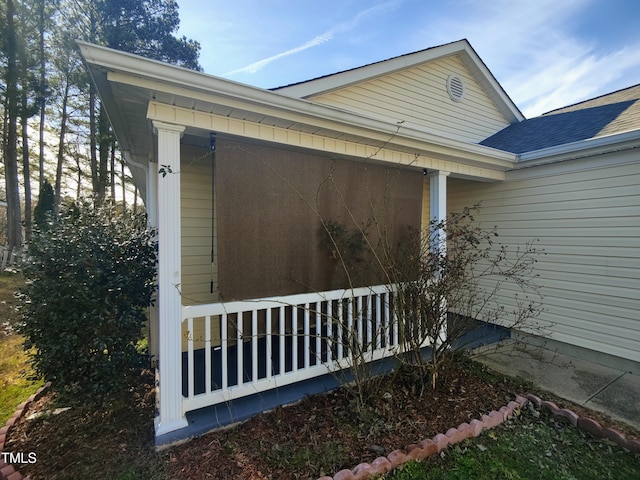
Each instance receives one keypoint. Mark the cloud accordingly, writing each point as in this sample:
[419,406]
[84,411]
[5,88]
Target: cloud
[320,39]
[259,65]
[580,78]
[538,53]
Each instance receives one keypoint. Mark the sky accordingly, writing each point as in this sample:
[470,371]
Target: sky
[545,54]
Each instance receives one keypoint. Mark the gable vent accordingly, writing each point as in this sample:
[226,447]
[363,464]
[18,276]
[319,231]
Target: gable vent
[455,88]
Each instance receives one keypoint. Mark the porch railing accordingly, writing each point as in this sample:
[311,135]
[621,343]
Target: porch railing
[235,349]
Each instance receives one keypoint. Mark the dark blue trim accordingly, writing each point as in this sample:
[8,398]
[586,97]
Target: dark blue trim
[206,419]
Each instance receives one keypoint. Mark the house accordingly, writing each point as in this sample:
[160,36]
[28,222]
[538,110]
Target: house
[238,179]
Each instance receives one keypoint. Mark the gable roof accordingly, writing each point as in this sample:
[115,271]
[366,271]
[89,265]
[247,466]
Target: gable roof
[462,49]
[606,115]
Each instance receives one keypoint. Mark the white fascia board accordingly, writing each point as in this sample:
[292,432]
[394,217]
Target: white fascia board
[491,86]
[136,70]
[340,80]
[584,148]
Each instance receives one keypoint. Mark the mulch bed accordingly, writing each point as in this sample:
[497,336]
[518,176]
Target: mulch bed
[319,435]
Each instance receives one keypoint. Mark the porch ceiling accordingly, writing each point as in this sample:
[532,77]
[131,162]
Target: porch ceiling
[130,86]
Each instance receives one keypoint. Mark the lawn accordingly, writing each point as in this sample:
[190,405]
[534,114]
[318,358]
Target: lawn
[531,446]
[15,386]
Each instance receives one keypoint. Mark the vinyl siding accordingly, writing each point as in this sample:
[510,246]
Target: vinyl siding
[418,97]
[195,198]
[587,217]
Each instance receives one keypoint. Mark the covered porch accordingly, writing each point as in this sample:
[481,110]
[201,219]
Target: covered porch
[242,336]
[226,360]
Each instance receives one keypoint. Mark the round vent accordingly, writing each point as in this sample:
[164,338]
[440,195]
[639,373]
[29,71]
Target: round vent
[455,88]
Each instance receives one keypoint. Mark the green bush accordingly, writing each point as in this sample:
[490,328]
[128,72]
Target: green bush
[89,281]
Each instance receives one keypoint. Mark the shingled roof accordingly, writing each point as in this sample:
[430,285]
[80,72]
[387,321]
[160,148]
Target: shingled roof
[609,114]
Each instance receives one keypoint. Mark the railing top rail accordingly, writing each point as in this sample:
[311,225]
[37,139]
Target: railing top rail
[194,311]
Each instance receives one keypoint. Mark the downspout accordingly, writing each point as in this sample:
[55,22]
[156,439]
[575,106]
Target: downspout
[152,222]
[150,200]
[141,166]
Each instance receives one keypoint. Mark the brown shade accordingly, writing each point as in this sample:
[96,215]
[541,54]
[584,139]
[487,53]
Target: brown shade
[270,203]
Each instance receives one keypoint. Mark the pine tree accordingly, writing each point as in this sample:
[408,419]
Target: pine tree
[45,208]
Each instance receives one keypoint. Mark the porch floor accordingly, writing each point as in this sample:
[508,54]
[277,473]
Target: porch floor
[206,419]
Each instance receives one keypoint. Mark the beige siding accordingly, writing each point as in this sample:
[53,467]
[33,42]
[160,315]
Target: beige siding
[196,228]
[418,97]
[587,217]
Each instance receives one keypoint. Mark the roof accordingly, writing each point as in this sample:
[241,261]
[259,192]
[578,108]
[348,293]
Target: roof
[599,117]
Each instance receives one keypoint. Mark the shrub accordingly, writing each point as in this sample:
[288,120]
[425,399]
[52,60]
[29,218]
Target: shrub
[89,280]
[441,291]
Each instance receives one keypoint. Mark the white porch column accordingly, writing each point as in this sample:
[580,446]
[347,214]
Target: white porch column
[438,208]
[169,278]
[438,236]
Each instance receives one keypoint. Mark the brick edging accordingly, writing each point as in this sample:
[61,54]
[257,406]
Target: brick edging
[8,472]
[435,445]
[588,425]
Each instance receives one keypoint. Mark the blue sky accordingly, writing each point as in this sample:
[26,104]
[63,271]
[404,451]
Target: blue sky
[545,53]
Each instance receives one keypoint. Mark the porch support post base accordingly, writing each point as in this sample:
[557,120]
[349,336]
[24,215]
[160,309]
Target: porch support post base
[168,427]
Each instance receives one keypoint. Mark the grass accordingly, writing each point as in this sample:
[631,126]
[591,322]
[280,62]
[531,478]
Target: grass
[15,386]
[532,446]
[325,457]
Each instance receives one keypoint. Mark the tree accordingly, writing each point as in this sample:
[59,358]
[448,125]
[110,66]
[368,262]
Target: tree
[41,74]
[45,11]
[29,85]
[146,28]
[45,208]
[12,112]
[143,27]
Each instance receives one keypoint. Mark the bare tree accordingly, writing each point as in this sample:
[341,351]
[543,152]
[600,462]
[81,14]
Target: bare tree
[12,106]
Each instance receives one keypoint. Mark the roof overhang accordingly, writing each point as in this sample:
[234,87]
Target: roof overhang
[585,148]
[135,91]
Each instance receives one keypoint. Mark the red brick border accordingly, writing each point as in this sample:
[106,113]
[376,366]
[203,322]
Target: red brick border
[429,447]
[8,472]
[589,425]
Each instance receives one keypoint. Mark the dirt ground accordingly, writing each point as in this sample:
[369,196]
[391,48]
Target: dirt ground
[318,436]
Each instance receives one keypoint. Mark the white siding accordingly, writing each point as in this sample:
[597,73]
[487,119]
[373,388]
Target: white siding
[196,228]
[587,217]
[418,97]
